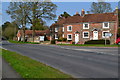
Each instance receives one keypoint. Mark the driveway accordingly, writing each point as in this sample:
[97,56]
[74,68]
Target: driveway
[80,62]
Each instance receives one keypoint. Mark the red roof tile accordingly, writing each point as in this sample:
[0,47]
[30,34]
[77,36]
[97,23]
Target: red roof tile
[100,17]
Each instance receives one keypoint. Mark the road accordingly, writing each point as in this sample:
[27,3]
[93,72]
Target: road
[80,62]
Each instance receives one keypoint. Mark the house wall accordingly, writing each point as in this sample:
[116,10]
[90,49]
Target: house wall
[79,27]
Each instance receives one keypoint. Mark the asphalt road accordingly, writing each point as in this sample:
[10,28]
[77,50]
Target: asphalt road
[80,62]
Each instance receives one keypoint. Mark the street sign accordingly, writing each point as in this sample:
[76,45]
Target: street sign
[108,34]
[42,38]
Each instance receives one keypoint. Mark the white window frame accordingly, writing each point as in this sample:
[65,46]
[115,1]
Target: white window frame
[85,32]
[68,37]
[56,29]
[63,35]
[68,27]
[56,37]
[84,25]
[63,29]
[103,33]
[104,24]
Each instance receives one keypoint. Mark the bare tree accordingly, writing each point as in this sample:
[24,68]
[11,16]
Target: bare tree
[100,7]
[19,12]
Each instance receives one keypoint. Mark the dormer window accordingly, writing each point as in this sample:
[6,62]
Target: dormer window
[69,28]
[106,25]
[86,26]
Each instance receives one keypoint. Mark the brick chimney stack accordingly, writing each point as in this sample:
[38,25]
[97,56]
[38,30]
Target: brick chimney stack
[82,12]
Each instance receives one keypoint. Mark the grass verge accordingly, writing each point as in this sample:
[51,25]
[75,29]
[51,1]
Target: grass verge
[89,45]
[23,42]
[29,68]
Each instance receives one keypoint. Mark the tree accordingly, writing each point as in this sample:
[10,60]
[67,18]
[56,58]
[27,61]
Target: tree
[100,7]
[65,14]
[19,12]
[9,30]
[39,25]
[42,11]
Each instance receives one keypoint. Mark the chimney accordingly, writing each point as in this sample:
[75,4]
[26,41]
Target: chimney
[116,10]
[77,14]
[82,12]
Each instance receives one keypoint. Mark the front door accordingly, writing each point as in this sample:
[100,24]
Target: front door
[95,35]
[76,38]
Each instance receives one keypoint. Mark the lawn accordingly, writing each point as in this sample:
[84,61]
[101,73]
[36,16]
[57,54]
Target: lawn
[29,68]
[89,45]
[20,42]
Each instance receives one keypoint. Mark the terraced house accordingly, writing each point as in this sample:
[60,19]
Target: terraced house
[80,28]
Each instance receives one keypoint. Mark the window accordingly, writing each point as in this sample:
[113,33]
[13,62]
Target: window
[86,26]
[69,37]
[63,35]
[85,34]
[63,29]
[103,33]
[56,36]
[69,28]
[56,29]
[105,25]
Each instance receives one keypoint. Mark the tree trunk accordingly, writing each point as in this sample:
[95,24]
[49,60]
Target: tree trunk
[23,33]
[33,33]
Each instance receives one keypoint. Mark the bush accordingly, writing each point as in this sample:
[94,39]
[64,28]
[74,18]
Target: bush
[97,42]
[53,42]
[62,39]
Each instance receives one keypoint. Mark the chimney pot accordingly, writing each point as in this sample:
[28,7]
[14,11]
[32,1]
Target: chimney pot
[82,12]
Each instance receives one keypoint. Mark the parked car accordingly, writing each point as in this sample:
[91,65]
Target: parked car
[118,41]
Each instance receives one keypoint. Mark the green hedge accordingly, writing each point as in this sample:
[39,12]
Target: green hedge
[97,42]
[53,42]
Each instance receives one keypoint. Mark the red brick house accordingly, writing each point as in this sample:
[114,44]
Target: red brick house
[28,35]
[84,27]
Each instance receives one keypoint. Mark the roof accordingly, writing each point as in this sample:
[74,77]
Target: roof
[99,17]
[37,32]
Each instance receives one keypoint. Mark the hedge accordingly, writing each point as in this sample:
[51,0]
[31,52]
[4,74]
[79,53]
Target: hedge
[97,42]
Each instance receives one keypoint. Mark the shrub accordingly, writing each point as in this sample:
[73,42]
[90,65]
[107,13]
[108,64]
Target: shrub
[53,42]
[97,42]
[62,39]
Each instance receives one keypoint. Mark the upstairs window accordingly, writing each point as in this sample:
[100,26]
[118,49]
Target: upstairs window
[106,25]
[56,29]
[86,26]
[69,28]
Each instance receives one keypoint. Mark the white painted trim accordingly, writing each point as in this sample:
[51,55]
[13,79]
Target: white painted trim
[56,29]
[88,34]
[68,38]
[63,29]
[68,27]
[104,25]
[63,35]
[103,34]
[56,37]
[84,25]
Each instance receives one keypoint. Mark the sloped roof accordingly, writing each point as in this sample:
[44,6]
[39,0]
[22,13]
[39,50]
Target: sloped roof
[37,32]
[100,17]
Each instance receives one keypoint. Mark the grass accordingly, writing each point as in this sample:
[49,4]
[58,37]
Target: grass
[89,45]
[20,42]
[29,68]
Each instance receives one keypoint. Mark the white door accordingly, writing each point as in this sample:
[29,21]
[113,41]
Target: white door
[76,38]
[95,35]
